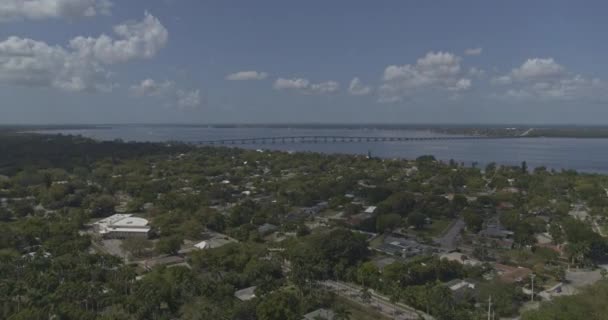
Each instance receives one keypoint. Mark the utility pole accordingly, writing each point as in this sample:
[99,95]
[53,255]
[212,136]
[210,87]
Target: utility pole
[490,308]
[532,295]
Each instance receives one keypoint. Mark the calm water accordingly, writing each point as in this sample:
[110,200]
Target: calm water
[590,155]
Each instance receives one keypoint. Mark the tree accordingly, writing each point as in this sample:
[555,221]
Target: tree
[5,215]
[136,246]
[590,304]
[505,297]
[577,252]
[23,209]
[490,168]
[510,219]
[417,220]
[473,220]
[388,222]
[556,232]
[302,230]
[368,274]
[102,206]
[459,202]
[169,245]
[341,313]
[401,203]
[279,305]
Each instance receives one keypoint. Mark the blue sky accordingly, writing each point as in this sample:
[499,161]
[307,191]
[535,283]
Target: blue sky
[192,61]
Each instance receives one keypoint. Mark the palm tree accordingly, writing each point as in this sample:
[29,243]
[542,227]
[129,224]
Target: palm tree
[578,252]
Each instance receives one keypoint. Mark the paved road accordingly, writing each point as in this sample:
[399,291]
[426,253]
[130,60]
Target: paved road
[380,303]
[450,237]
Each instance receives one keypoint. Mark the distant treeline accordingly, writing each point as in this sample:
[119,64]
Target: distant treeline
[19,151]
[532,132]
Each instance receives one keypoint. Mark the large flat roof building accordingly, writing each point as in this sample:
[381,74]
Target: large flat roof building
[120,226]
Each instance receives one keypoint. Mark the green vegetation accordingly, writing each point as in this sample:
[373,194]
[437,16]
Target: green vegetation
[588,305]
[284,224]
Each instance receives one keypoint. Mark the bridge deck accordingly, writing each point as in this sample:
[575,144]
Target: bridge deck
[340,139]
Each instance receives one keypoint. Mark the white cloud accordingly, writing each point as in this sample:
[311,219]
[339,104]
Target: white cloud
[435,71]
[305,86]
[325,87]
[247,75]
[81,66]
[188,99]
[462,84]
[473,51]
[14,10]
[291,84]
[168,92]
[544,78]
[357,88]
[476,72]
[150,87]
[136,40]
[28,62]
[534,69]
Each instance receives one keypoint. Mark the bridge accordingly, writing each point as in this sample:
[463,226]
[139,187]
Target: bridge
[339,139]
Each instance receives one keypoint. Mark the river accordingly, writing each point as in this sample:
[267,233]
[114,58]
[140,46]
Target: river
[587,155]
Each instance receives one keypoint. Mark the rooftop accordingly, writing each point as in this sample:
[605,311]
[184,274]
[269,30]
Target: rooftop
[320,314]
[245,294]
[122,223]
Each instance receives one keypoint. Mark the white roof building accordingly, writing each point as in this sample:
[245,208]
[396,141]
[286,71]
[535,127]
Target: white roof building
[122,226]
[245,294]
[370,209]
[215,240]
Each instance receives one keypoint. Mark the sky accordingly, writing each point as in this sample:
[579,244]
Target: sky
[277,61]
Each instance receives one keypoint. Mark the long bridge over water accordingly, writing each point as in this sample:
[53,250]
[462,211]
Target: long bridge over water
[340,139]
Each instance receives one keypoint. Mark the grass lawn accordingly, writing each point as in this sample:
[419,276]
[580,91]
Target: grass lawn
[359,312]
[435,229]
[438,227]
[377,241]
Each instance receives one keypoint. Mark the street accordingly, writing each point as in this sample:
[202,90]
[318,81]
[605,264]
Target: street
[448,239]
[382,304]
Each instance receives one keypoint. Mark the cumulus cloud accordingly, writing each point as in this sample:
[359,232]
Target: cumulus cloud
[150,87]
[28,62]
[435,71]
[136,40]
[462,84]
[325,87]
[168,92]
[14,10]
[291,84]
[80,66]
[305,86]
[473,51]
[357,88]
[537,69]
[247,75]
[544,78]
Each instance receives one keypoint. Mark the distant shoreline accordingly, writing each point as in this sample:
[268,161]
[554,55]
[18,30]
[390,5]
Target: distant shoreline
[557,131]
